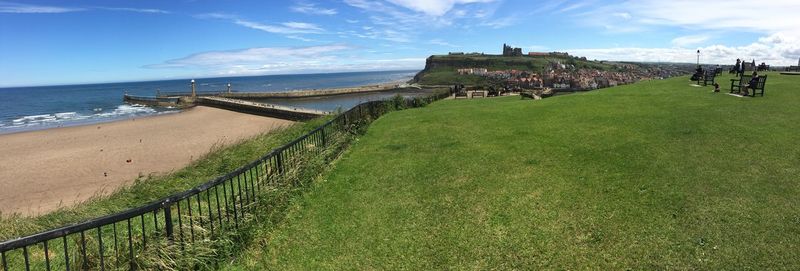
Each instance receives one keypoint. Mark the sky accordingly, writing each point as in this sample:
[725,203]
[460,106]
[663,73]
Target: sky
[82,41]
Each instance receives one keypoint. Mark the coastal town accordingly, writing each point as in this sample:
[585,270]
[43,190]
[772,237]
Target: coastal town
[563,72]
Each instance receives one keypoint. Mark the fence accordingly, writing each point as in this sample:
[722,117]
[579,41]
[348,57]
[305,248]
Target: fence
[202,213]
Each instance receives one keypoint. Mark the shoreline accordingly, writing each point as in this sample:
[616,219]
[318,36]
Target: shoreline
[88,122]
[43,170]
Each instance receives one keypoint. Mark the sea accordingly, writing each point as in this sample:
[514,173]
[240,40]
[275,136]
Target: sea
[35,108]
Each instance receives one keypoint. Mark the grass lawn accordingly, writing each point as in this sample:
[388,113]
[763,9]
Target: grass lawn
[655,175]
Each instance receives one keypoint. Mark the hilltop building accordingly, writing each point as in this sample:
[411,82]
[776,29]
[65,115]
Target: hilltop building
[509,51]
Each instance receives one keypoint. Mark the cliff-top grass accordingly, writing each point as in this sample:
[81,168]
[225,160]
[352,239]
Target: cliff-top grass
[649,176]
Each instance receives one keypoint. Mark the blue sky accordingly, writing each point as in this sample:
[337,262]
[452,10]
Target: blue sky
[68,42]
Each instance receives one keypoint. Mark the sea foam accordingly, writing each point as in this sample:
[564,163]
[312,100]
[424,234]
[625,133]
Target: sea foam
[67,118]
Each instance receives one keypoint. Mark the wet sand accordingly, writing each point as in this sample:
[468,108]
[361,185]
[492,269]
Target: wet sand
[43,170]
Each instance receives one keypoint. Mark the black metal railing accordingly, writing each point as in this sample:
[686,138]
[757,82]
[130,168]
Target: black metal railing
[204,212]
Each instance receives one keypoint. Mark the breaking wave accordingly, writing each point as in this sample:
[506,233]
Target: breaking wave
[66,118]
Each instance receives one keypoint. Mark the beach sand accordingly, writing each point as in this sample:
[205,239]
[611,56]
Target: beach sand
[42,170]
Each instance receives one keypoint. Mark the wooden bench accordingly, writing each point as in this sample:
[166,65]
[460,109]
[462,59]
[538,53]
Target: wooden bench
[762,80]
[478,93]
[708,77]
[737,85]
[461,93]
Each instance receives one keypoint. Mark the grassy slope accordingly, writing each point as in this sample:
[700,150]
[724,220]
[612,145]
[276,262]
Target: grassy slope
[655,175]
[217,162]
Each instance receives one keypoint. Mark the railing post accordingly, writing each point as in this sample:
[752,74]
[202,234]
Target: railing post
[279,160]
[324,142]
[168,219]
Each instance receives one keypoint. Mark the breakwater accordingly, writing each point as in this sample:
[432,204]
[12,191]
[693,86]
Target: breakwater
[305,93]
[262,109]
[291,105]
[152,101]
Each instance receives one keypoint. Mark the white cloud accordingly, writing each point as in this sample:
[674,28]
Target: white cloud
[574,6]
[310,8]
[433,7]
[441,42]
[300,38]
[548,6]
[689,40]
[623,15]
[500,23]
[277,60]
[772,16]
[774,19]
[302,26]
[253,56]
[139,10]
[738,15]
[283,28]
[403,20]
[7,7]
[272,28]
[776,49]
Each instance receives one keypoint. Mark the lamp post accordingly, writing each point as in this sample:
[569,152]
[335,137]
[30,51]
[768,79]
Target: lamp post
[698,57]
[194,94]
[229,87]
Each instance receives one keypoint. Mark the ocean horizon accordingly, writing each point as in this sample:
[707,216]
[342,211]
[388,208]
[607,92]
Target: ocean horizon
[44,107]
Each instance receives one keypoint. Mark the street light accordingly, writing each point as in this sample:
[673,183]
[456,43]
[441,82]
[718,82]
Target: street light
[698,57]
[194,94]
[229,87]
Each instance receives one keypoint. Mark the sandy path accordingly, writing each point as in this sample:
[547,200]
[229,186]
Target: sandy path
[41,170]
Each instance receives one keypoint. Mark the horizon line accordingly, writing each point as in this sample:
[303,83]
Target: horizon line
[192,78]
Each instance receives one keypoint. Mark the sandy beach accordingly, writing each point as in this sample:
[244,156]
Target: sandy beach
[42,170]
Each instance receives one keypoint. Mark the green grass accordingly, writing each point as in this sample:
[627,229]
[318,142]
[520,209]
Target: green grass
[654,175]
[218,162]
